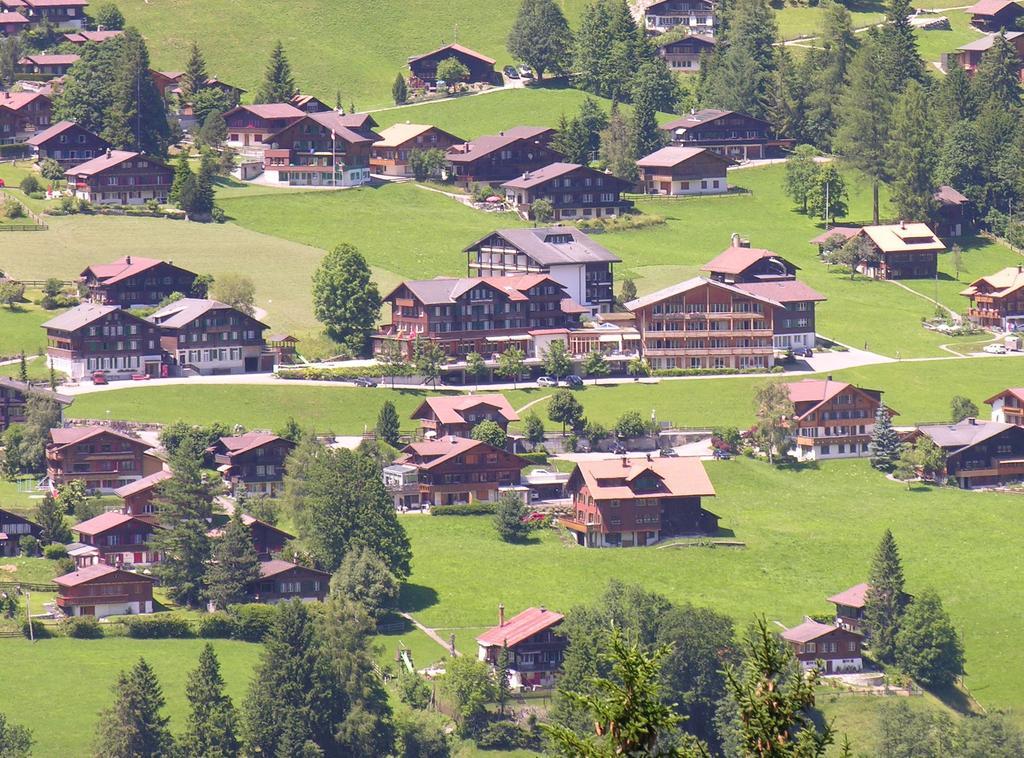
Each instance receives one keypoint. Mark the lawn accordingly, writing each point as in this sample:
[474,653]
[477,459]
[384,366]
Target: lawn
[797,553]
[59,685]
[932,43]
[20,326]
[979,257]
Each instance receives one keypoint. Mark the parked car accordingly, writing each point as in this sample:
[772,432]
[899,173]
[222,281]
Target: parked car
[803,352]
[364,381]
[99,377]
[574,381]
[583,446]
[668,452]
[526,72]
[722,455]
[510,72]
[547,381]
[617,448]
[995,349]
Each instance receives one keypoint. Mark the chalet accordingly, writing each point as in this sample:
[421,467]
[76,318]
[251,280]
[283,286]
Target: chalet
[121,177]
[254,459]
[535,647]
[626,503]
[484,315]
[1008,406]
[735,135]
[565,254]
[902,251]
[850,607]
[574,191]
[12,23]
[320,150]
[979,453]
[103,459]
[62,14]
[838,648]
[282,348]
[251,125]
[969,56]
[67,143]
[309,104]
[952,212]
[281,581]
[456,415]
[47,65]
[698,16]
[12,528]
[997,300]
[742,264]
[423,68]
[138,495]
[267,539]
[993,15]
[684,55]
[133,281]
[102,590]
[390,154]
[209,337]
[22,115]
[83,37]
[494,159]
[14,397]
[832,239]
[401,481]
[90,338]
[832,419]
[702,323]
[121,539]
[451,470]
[683,171]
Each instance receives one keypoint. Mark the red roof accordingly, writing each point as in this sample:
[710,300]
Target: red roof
[432,453]
[611,479]
[853,597]
[12,17]
[143,484]
[110,159]
[736,260]
[15,101]
[989,7]
[450,409]
[105,522]
[786,291]
[122,268]
[808,631]
[455,47]
[243,443]
[70,435]
[841,231]
[520,627]
[1017,392]
[91,573]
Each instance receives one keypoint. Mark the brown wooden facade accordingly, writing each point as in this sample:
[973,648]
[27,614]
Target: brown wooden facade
[254,460]
[106,338]
[67,143]
[23,115]
[12,528]
[281,581]
[453,470]
[101,458]
[423,68]
[133,281]
[495,159]
[574,191]
[14,396]
[735,135]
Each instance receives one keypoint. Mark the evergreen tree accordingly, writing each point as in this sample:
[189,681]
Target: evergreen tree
[997,79]
[510,518]
[202,204]
[735,82]
[540,37]
[927,645]
[133,726]
[608,49]
[533,428]
[827,73]
[399,90]
[579,138]
[387,423]
[235,564]
[365,579]
[647,136]
[900,59]
[195,76]
[50,517]
[345,299]
[618,148]
[885,441]
[136,118]
[954,97]
[22,368]
[885,600]
[211,730]
[183,182]
[10,54]
[502,685]
[787,97]
[214,130]
[913,153]
[278,84]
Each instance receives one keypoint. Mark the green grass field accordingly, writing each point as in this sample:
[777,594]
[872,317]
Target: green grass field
[20,326]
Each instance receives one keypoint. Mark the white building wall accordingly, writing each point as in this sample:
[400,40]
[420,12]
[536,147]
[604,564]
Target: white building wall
[115,609]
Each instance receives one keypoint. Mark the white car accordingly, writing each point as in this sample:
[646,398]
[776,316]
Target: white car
[547,381]
[995,349]
[526,72]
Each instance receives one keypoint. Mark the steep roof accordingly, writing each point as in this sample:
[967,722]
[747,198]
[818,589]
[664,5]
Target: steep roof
[243,443]
[553,171]
[946,195]
[554,245]
[447,290]
[183,312]
[520,627]
[820,391]
[143,484]
[963,434]
[788,291]
[691,284]
[27,389]
[986,42]
[490,143]
[853,597]
[455,47]
[15,101]
[1003,283]
[93,572]
[808,631]
[904,237]
[611,478]
[276,566]
[63,436]
[81,315]
[1017,392]
[121,269]
[736,260]
[105,522]
[448,409]
[670,157]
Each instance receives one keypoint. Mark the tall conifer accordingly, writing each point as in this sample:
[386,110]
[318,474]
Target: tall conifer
[278,83]
[132,726]
[212,721]
[885,600]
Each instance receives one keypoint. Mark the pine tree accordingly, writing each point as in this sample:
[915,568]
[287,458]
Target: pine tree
[235,564]
[195,76]
[913,152]
[387,423]
[618,148]
[22,368]
[900,59]
[885,600]
[540,37]
[954,98]
[278,84]
[885,441]
[826,72]
[202,204]
[399,90]
[183,177]
[212,721]
[502,685]
[133,726]
[509,519]
[136,118]
[647,136]
[50,517]
[997,79]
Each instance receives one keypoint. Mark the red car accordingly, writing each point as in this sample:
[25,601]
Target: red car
[99,377]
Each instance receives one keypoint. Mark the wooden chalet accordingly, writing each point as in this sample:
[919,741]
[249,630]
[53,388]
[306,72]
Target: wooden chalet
[997,300]
[697,16]
[494,159]
[635,502]
[309,103]
[902,251]
[138,495]
[969,55]
[267,539]
[326,149]
[133,281]
[390,154]
[683,171]
[281,581]
[210,337]
[47,65]
[833,419]
[61,14]
[423,68]
[684,55]
[166,81]
[838,648]
[67,143]
[12,528]
[249,126]
[254,460]
[90,338]
[456,415]
[12,23]
[121,539]
[14,396]
[102,590]
[121,177]
[738,136]
[953,215]
[979,453]
[454,470]
[84,37]
[993,15]
[536,649]
[1008,406]
[23,115]
[102,459]
[850,607]
[574,191]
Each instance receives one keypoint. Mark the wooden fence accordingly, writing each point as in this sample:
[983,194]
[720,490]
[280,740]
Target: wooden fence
[38,226]
[6,586]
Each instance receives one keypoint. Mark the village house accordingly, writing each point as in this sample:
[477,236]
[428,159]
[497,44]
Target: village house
[401,481]
[390,154]
[423,68]
[281,581]
[254,460]
[734,135]
[209,337]
[22,115]
[979,453]
[832,419]
[564,253]
[997,300]
[90,338]
[83,37]
[484,315]
[14,397]
[832,239]
[685,55]
[67,143]
[249,126]
[309,103]
[494,159]
[138,495]
[993,15]
[456,415]
[267,539]
[838,648]
[969,55]
[1008,406]
[12,528]
[102,590]
[12,23]
[850,607]
[953,212]
[741,264]
[535,648]
[121,177]
[47,65]
[166,81]
[574,191]
[702,323]
[62,14]
[453,470]
[320,150]
[683,171]
[120,539]
[635,502]
[102,459]
[902,251]
[698,16]
[133,281]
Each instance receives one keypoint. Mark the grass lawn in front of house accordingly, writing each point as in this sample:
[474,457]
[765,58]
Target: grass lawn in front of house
[21,326]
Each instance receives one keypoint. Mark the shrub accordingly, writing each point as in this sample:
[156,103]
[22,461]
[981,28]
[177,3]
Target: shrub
[705,371]
[83,628]
[51,170]
[413,691]
[158,627]
[332,374]
[55,551]
[251,621]
[29,546]
[469,509]
[30,184]
[64,565]
[218,214]
[68,205]
[13,209]
[37,195]
[216,625]
[39,630]
[502,735]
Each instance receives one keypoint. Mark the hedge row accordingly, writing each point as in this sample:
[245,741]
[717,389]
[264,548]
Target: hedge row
[341,374]
[470,509]
[714,371]
[249,622]
[535,458]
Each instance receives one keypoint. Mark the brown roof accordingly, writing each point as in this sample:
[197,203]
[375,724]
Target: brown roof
[989,7]
[51,60]
[736,260]
[183,312]
[1017,392]
[430,453]
[450,409]
[787,291]
[243,443]
[946,195]
[1002,283]
[808,631]
[842,231]
[481,147]
[274,567]
[691,284]
[670,157]
[26,389]
[110,159]
[105,522]
[143,484]
[91,573]
[63,436]
[121,269]
[611,479]
[520,627]
[455,47]
[853,597]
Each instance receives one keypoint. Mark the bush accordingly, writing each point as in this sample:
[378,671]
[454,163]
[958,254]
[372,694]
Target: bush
[158,628]
[51,170]
[39,630]
[30,184]
[13,209]
[218,215]
[502,735]
[332,374]
[413,691]
[55,551]
[29,546]
[535,458]
[68,205]
[218,625]
[64,565]
[251,621]
[469,509]
[83,628]
[705,371]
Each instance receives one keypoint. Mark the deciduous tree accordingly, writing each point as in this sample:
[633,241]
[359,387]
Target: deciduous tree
[595,365]
[365,578]
[236,290]
[108,17]
[452,70]
[476,367]
[801,174]
[565,409]
[774,410]
[961,407]
[533,428]
[15,740]
[428,358]
[511,364]
[927,644]
[50,517]
[490,432]
[540,37]
[345,299]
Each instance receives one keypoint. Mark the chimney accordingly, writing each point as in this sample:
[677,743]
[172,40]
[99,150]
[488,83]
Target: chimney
[649,458]
[828,378]
[501,614]
[972,421]
[693,111]
[543,609]
[735,239]
[501,134]
[625,462]
[903,224]
[128,260]
[108,152]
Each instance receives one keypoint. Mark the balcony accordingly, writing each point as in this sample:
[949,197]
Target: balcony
[1002,467]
